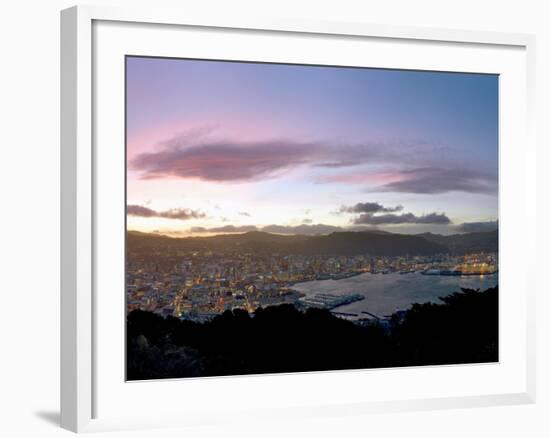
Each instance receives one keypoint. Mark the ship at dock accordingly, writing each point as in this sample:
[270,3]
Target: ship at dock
[329,301]
[339,276]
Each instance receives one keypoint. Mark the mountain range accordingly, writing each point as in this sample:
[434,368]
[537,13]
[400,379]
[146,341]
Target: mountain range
[374,243]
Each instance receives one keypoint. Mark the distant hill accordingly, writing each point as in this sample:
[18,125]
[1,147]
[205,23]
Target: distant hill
[367,242]
[486,241]
[338,243]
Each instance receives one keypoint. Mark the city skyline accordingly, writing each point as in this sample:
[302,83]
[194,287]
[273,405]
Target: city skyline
[223,147]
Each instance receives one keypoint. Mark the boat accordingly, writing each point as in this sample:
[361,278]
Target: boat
[431,272]
[345,275]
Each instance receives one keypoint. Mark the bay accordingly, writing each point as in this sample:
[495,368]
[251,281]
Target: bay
[386,293]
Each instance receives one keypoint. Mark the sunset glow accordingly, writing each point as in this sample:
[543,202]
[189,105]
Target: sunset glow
[223,147]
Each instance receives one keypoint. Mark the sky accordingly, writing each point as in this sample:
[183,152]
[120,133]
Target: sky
[223,147]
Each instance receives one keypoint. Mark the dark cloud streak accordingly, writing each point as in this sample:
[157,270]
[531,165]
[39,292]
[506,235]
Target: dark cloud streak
[174,213]
[370,207]
[406,218]
[434,180]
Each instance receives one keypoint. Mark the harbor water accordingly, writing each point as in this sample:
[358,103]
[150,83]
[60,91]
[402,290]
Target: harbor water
[387,293]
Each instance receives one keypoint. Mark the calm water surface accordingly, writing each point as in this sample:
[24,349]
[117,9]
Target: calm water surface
[386,293]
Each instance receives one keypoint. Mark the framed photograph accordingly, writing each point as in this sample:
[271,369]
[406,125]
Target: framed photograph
[256,208]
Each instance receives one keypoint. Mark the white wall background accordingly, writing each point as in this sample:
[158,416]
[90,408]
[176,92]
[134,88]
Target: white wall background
[29,220]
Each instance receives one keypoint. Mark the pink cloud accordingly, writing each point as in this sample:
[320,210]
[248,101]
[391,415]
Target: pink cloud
[427,180]
[193,132]
[362,178]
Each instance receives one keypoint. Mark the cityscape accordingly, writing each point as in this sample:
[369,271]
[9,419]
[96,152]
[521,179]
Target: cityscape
[200,285]
[296,218]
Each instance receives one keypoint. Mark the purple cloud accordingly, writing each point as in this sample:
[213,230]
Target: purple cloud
[225,161]
[406,218]
[174,213]
[433,180]
[192,157]
[139,210]
[186,156]
[369,207]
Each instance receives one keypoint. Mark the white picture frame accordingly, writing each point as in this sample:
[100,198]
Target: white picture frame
[80,170]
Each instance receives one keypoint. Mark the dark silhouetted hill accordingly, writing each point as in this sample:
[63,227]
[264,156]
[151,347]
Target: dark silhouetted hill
[339,243]
[486,241]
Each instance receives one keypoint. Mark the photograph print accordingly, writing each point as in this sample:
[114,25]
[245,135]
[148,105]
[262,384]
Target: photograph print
[285,218]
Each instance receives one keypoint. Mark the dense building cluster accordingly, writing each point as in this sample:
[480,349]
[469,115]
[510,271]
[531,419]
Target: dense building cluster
[199,285]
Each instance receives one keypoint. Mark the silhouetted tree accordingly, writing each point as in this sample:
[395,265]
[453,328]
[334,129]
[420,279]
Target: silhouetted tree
[462,329]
